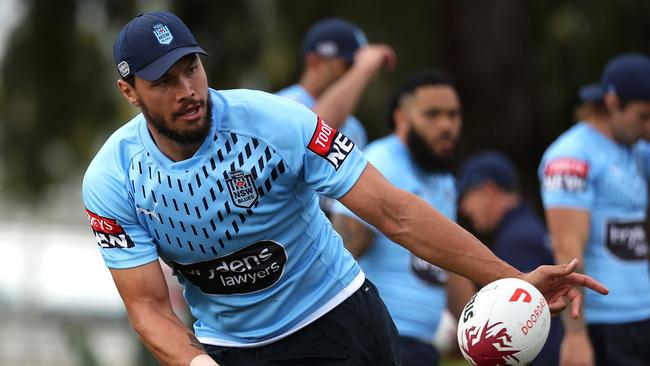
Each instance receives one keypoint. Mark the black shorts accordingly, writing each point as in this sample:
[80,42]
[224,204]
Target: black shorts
[359,331]
[626,344]
[418,353]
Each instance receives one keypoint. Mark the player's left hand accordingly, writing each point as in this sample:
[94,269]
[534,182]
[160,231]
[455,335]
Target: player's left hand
[560,281]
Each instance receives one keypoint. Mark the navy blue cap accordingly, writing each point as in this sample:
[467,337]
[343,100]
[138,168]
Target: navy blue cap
[489,165]
[334,37]
[151,43]
[627,75]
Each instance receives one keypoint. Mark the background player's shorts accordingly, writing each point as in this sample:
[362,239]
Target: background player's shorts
[626,344]
[357,332]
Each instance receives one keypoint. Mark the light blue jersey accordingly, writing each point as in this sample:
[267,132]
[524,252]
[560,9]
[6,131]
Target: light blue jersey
[239,221]
[412,289]
[351,128]
[585,170]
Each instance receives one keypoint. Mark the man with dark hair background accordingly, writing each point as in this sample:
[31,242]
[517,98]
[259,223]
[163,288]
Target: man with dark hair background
[594,180]
[419,157]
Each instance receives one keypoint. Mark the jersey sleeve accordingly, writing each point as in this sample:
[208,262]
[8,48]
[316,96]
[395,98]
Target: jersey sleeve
[122,241]
[332,161]
[567,179]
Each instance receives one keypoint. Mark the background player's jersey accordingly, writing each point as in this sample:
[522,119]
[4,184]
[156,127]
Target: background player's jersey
[239,221]
[351,128]
[585,170]
[412,289]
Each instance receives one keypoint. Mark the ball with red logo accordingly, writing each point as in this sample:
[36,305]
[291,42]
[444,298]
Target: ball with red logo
[504,323]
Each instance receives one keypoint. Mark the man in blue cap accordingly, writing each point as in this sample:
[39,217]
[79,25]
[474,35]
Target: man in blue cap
[338,64]
[222,185]
[594,181]
[490,200]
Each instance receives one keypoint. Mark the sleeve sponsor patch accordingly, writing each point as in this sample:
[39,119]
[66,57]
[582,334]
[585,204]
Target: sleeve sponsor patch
[108,233]
[330,144]
[566,174]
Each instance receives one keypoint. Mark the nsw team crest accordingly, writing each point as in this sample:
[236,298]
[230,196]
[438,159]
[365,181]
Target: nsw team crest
[243,192]
[162,33]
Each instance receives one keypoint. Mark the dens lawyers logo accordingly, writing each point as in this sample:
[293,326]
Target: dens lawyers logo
[330,144]
[254,268]
[108,233]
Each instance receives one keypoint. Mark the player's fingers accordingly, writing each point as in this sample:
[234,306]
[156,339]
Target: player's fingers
[557,305]
[579,279]
[576,301]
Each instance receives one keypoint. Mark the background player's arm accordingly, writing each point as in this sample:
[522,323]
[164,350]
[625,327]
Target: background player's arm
[357,237]
[459,291]
[569,230]
[144,292]
[341,98]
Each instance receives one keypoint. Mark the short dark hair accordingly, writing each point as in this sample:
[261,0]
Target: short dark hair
[408,85]
[130,80]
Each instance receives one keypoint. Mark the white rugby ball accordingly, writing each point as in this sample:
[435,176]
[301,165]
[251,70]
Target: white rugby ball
[504,323]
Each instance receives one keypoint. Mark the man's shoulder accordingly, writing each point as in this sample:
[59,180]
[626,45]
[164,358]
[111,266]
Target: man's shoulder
[118,150]
[298,94]
[247,103]
[388,155]
[573,142]
[523,226]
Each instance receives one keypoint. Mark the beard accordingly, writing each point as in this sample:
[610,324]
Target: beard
[426,157]
[191,137]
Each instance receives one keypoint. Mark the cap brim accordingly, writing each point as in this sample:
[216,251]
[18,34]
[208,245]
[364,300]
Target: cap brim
[591,93]
[158,68]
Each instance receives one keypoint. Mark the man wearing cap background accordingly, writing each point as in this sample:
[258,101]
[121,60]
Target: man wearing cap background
[338,64]
[594,189]
[490,200]
[419,157]
[222,185]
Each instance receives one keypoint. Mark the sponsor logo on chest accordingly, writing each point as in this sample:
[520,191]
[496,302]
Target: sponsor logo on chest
[251,269]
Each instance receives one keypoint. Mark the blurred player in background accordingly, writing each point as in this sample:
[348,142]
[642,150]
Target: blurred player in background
[338,64]
[594,186]
[488,185]
[425,116]
[222,186]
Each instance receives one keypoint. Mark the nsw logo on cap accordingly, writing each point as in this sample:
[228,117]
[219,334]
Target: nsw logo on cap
[162,33]
[123,67]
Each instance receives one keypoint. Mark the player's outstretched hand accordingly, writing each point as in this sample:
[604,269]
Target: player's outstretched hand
[560,281]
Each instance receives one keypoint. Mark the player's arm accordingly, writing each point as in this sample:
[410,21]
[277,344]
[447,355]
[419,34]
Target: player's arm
[341,98]
[357,237]
[144,292]
[569,230]
[409,221]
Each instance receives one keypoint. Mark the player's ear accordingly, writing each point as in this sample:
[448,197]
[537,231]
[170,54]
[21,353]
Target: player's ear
[311,60]
[611,101]
[401,123]
[128,92]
